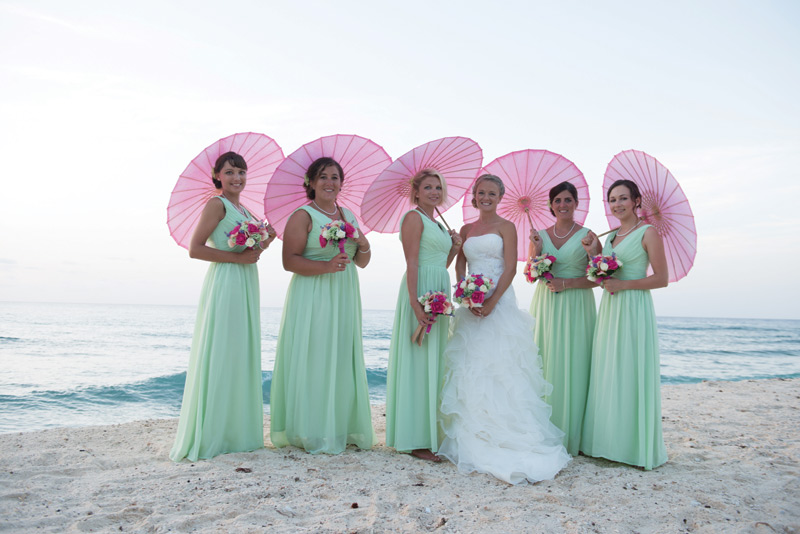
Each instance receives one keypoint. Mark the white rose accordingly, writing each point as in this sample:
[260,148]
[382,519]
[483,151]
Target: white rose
[484,288]
[340,234]
[604,266]
[463,284]
[471,286]
[548,262]
[427,308]
[592,278]
[250,242]
[355,234]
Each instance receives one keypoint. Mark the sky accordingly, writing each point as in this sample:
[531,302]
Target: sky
[103,104]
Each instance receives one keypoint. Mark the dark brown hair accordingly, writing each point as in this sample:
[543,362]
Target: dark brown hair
[556,190]
[315,169]
[228,157]
[636,196]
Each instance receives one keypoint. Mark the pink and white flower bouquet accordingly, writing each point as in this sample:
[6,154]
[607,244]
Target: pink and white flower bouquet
[472,290]
[434,303]
[538,268]
[337,232]
[601,268]
[248,233]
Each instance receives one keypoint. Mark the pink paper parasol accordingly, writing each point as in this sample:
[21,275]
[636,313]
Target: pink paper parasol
[528,176]
[361,159]
[663,205]
[457,159]
[194,186]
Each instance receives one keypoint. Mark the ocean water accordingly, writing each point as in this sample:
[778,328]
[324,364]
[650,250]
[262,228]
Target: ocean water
[88,364]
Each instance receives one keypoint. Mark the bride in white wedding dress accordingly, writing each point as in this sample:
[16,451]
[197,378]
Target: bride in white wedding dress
[492,410]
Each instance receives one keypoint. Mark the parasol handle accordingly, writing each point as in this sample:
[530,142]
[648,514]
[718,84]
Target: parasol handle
[439,213]
[528,213]
[609,231]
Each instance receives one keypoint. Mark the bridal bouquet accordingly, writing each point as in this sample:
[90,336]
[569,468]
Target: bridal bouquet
[539,267]
[471,291]
[248,233]
[601,268]
[337,232]
[434,303]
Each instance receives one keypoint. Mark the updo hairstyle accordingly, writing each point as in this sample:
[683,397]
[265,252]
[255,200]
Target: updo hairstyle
[636,196]
[228,157]
[315,169]
[487,178]
[558,189]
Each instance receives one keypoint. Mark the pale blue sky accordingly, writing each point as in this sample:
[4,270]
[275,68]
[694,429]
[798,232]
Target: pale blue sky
[103,104]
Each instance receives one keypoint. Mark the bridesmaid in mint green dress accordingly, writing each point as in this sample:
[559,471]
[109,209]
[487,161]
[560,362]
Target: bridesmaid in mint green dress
[223,406]
[319,399]
[415,372]
[565,313]
[623,409]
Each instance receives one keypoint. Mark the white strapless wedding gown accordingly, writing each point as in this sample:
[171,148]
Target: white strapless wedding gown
[492,410]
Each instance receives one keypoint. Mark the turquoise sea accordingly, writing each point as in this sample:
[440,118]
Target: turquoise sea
[89,364]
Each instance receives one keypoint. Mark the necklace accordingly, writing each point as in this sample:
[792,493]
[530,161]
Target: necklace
[629,231]
[426,213]
[565,235]
[328,213]
[238,208]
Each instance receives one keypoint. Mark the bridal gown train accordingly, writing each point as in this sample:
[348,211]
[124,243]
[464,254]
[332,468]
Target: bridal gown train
[493,414]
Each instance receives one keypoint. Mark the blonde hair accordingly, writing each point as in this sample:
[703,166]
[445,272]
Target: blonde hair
[417,180]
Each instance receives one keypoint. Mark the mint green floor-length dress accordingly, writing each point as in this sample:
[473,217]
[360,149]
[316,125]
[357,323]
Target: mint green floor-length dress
[623,409]
[223,407]
[416,372]
[564,331]
[319,400]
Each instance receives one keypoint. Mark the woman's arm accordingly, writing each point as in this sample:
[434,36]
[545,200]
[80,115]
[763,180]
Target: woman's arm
[654,246]
[213,213]
[560,284]
[461,260]
[294,242]
[456,239]
[509,234]
[412,235]
[535,245]
[364,252]
[591,244]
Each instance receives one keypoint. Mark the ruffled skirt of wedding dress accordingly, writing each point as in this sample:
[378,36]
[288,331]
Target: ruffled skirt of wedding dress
[492,411]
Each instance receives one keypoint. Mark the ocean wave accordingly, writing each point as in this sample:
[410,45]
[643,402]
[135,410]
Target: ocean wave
[684,379]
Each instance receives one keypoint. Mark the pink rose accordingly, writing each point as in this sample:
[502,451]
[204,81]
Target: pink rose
[548,276]
[477,297]
[349,229]
[459,292]
[252,228]
[437,307]
[323,242]
[241,239]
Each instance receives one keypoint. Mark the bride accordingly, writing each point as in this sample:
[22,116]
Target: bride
[492,411]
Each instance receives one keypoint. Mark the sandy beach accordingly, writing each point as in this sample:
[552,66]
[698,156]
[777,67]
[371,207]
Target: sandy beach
[734,466]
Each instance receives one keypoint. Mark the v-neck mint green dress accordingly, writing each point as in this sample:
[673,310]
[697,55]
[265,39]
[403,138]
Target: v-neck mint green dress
[564,331]
[623,410]
[319,399]
[223,407]
[415,374]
